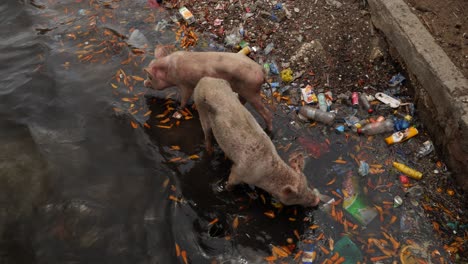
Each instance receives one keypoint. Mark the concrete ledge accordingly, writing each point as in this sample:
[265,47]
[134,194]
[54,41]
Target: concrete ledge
[444,93]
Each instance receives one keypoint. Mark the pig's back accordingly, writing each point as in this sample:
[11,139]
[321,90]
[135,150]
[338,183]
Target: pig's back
[235,129]
[233,67]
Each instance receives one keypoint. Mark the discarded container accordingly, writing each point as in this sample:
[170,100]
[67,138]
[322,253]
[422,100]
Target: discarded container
[365,103]
[396,80]
[377,128]
[187,15]
[363,168]
[284,89]
[401,136]
[415,191]
[286,75]
[232,38]
[308,95]
[328,99]
[388,100]
[355,99]
[268,48]
[309,254]
[243,44]
[245,50]
[355,203]
[403,179]
[407,170]
[321,102]
[340,128]
[425,150]
[346,248]
[397,201]
[274,68]
[308,112]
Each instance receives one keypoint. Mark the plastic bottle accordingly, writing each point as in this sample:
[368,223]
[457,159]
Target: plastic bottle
[322,102]
[407,170]
[365,103]
[377,128]
[268,48]
[308,112]
[401,136]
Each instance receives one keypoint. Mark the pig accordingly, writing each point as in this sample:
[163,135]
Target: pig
[185,69]
[255,159]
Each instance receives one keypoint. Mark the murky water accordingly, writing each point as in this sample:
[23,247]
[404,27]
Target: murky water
[89,175]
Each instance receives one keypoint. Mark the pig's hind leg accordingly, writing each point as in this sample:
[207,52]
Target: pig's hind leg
[264,112]
[206,130]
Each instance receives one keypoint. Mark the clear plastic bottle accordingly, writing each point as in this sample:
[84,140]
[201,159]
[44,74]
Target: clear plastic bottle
[308,112]
[377,128]
[365,103]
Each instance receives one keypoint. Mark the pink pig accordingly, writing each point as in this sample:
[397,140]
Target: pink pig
[254,157]
[185,69]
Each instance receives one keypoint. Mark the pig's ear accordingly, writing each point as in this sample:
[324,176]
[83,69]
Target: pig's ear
[149,72]
[289,190]
[297,162]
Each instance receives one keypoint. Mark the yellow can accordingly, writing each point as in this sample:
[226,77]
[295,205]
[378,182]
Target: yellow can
[246,50]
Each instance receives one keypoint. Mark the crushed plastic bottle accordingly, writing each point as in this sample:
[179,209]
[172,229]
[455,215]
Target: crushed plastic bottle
[322,102]
[363,168]
[274,68]
[232,38]
[425,149]
[396,80]
[377,128]
[268,48]
[308,112]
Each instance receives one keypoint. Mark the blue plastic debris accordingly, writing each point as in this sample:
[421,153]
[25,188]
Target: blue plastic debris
[396,80]
[340,128]
[400,124]
[363,168]
[274,68]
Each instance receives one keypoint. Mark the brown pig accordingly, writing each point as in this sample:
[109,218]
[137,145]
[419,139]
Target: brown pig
[254,157]
[185,69]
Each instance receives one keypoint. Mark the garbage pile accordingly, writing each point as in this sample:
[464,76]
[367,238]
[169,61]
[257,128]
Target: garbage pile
[387,196]
[397,186]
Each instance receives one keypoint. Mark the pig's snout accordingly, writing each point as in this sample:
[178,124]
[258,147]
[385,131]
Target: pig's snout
[147,84]
[316,194]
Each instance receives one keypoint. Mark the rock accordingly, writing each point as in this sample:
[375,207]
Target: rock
[334,3]
[313,48]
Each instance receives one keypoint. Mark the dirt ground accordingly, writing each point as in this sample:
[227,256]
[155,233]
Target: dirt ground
[448,23]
